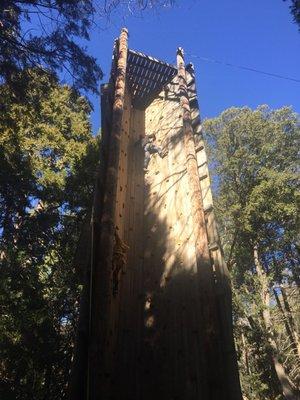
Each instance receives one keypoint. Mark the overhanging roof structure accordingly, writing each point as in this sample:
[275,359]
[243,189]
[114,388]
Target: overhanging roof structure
[147,76]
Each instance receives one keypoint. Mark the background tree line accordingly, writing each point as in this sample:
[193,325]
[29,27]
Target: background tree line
[254,155]
[48,158]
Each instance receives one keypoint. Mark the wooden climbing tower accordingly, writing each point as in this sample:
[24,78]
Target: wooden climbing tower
[155,317]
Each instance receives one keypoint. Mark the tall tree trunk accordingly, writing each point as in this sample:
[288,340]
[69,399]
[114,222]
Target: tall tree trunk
[245,354]
[290,319]
[288,323]
[288,389]
[295,267]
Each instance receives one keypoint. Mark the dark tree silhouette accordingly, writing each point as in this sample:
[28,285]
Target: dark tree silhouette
[295,11]
[45,33]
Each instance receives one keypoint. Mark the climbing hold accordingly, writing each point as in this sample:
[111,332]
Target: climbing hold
[204,176]
[199,148]
[208,208]
[213,246]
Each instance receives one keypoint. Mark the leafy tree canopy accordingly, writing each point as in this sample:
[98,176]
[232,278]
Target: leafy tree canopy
[48,33]
[254,154]
[295,11]
[45,33]
[47,163]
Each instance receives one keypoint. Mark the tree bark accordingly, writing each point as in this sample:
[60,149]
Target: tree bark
[290,319]
[288,389]
[245,354]
[295,268]
[287,323]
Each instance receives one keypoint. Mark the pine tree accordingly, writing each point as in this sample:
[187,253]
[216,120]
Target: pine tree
[255,159]
[48,156]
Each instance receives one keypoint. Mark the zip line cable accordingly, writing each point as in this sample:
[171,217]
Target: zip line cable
[244,68]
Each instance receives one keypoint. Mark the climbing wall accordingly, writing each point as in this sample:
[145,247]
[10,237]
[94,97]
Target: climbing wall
[171,320]
[155,325]
[121,224]
[156,318]
[128,302]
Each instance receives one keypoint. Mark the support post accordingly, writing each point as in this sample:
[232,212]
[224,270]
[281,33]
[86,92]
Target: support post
[202,251]
[222,380]
[103,243]
[213,375]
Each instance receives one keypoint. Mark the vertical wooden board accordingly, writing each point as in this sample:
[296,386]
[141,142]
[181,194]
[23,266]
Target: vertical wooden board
[156,315]
[212,232]
[137,311]
[120,224]
[153,254]
[125,382]
[186,265]
[176,292]
[206,190]
[157,342]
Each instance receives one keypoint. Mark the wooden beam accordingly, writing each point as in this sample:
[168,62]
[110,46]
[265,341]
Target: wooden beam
[207,296]
[222,374]
[101,295]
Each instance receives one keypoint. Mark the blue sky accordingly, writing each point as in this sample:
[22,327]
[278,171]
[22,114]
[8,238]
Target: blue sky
[258,34]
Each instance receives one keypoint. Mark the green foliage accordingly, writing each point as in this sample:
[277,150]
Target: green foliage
[254,158]
[45,33]
[48,158]
[257,166]
[295,11]
[50,33]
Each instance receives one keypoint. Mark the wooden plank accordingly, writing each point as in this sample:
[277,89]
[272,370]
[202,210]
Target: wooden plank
[160,332]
